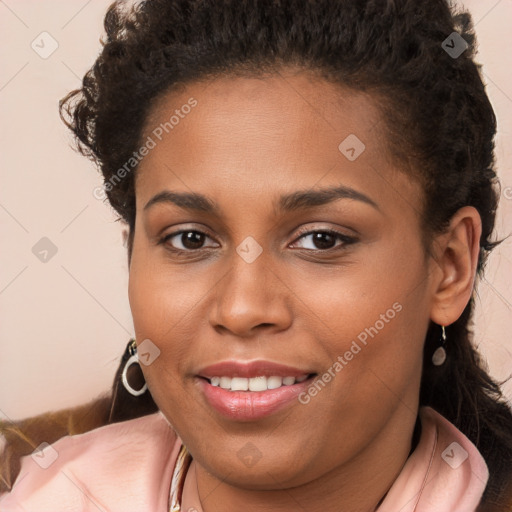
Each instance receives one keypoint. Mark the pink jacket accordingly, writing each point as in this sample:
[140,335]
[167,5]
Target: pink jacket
[128,467]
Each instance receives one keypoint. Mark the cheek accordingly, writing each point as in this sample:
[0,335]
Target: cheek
[166,305]
[373,363]
[372,342]
[161,297]
[372,321]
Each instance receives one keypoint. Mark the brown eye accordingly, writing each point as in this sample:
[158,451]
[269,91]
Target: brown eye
[323,240]
[192,239]
[188,240]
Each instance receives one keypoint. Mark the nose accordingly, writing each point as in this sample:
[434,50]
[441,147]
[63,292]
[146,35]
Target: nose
[250,298]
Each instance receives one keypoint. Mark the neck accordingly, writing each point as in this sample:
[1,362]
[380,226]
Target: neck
[360,484]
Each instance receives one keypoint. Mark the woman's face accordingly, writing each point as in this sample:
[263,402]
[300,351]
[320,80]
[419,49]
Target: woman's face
[255,278]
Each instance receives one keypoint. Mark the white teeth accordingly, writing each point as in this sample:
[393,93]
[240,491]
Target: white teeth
[255,383]
[274,382]
[225,382]
[239,384]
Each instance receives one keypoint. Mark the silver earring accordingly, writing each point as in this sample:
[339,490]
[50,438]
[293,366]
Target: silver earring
[134,359]
[439,356]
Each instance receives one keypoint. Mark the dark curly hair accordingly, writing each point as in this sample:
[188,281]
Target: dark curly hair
[437,119]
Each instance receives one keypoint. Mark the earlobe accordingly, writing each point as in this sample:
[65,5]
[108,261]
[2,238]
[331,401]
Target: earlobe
[457,259]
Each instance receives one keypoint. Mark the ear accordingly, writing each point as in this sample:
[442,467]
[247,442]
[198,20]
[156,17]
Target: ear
[456,256]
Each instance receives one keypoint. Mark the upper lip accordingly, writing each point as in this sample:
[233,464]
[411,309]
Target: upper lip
[250,369]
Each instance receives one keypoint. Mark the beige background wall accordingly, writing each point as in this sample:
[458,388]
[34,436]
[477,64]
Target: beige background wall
[64,322]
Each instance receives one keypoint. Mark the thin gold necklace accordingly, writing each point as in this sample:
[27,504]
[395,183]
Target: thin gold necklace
[178,479]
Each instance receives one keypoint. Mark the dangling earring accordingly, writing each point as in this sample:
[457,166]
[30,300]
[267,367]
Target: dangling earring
[439,356]
[134,359]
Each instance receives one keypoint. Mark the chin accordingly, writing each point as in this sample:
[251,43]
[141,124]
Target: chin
[249,468]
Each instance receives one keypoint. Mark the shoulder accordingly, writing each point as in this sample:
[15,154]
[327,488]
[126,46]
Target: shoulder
[123,466]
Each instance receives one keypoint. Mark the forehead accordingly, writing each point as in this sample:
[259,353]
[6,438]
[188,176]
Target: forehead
[257,134]
[298,101]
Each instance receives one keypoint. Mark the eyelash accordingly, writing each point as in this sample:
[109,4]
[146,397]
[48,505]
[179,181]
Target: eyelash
[345,239]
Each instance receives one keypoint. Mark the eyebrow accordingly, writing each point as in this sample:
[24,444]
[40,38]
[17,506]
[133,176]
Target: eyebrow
[302,199]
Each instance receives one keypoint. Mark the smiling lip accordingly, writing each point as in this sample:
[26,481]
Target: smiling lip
[251,405]
[252,369]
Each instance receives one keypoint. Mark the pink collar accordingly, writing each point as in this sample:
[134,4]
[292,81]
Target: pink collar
[445,473]
[128,466]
